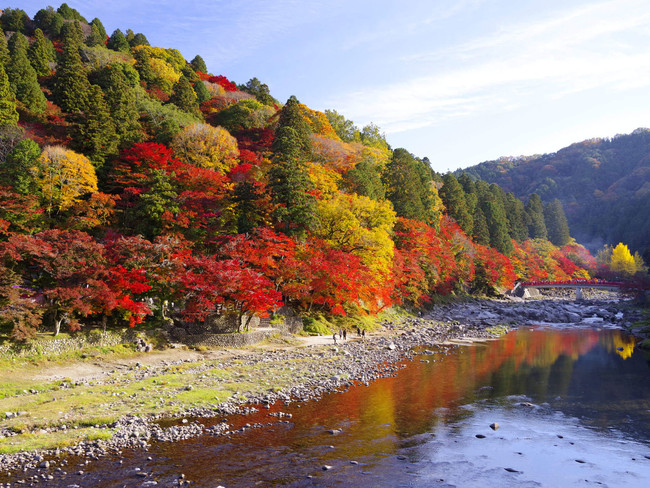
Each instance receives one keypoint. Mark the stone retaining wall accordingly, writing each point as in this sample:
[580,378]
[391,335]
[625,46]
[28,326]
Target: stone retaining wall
[229,340]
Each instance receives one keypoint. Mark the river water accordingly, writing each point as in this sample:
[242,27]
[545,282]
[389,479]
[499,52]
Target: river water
[572,407]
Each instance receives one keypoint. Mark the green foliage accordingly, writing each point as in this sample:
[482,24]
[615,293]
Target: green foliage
[95,38]
[259,89]
[453,197]
[536,222]
[4,51]
[246,114]
[163,120]
[151,206]
[14,19]
[94,134]
[143,66]
[72,33]
[365,179]
[344,128]
[8,113]
[317,325]
[69,13]
[97,24]
[138,40]
[50,21]
[117,42]
[556,223]
[202,93]
[71,85]
[297,143]
[121,101]
[22,77]
[198,64]
[16,169]
[41,53]
[183,96]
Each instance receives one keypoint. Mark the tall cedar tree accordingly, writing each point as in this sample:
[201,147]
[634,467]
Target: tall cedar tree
[95,131]
[290,185]
[41,53]
[8,113]
[453,196]
[183,96]
[202,93]
[4,51]
[50,21]
[536,223]
[95,38]
[71,85]
[15,20]
[138,40]
[143,66]
[481,233]
[117,42]
[22,77]
[198,64]
[120,98]
[365,179]
[556,223]
[517,218]
[16,169]
[291,116]
[72,31]
[100,27]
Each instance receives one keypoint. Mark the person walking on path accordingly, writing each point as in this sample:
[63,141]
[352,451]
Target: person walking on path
[334,337]
[345,335]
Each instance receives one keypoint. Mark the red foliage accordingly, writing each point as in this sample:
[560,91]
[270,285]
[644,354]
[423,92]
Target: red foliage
[223,82]
[134,167]
[256,140]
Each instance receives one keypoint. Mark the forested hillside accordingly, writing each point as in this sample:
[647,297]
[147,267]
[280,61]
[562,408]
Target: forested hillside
[135,186]
[604,185]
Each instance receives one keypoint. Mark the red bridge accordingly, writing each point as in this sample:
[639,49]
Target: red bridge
[521,288]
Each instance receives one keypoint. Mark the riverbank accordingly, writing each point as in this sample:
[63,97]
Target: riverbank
[215,383]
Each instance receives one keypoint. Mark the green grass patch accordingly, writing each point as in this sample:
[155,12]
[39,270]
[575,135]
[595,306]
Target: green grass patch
[33,440]
[498,329]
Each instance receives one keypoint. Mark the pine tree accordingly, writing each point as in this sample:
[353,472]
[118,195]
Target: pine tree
[291,187]
[183,96]
[41,53]
[202,93]
[8,113]
[4,51]
[556,223]
[71,32]
[453,197]
[14,19]
[535,211]
[22,77]
[117,42]
[95,132]
[50,21]
[143,66]
[138,40]
[95,37]
[481,234]
[198,64]
[100,28]
[71,85]
[517,218]
[120,99]
[291,116]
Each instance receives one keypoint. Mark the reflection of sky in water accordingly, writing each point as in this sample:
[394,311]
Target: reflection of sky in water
[419,427]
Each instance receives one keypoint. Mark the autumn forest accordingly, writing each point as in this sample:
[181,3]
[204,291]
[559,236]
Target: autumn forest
[136,186]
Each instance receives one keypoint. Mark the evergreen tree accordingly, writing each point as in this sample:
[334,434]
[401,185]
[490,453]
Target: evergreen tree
[495,217]
[100,28]
[183,96]
[291,187]
[8,113]
[16,170]
[143,66]
[50,21]
[364,179]
[117,42]
[95,37]
[556,223]
[198,64]
[517,218]
[120,98]
[245,198]
[95,132]
[41,53]
[202,93]
[481,234]
[536,223]
[66,12]
[453,197]
[22,77]
[291,116]
[71,85]
[138,40]
[4,51]
[15,20]
[71,32]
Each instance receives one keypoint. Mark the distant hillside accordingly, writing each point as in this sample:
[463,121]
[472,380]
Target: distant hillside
[604,185]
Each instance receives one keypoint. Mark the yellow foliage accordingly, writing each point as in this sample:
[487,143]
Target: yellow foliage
[63,176]
[359,225]
[166,76]
[622,261]
[325,180]
[318,122]
[173,57]
[207,147]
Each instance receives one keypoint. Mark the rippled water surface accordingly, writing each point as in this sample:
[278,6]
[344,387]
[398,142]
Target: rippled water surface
[573,408]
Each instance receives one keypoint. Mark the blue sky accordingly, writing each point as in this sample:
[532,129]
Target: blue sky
[458,81]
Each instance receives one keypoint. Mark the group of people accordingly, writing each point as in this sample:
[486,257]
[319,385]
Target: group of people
[343,334]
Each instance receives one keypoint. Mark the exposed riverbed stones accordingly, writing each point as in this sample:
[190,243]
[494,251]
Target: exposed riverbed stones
[347,364]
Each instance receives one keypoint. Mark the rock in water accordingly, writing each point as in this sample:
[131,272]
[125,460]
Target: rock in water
[494,426]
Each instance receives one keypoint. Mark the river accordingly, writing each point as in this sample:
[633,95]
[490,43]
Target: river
[572,407]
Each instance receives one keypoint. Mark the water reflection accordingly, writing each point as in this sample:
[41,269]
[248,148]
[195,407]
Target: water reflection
[415,428]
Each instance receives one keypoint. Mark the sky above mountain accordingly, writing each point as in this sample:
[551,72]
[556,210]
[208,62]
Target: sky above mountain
[457,81]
